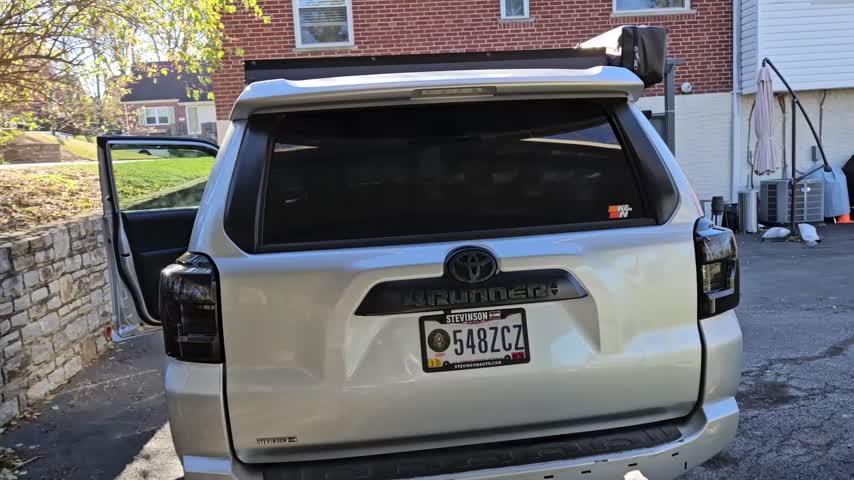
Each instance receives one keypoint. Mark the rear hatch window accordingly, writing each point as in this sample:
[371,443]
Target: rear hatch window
[440,170]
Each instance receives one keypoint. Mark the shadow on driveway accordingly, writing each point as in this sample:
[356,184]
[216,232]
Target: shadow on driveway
[108,422]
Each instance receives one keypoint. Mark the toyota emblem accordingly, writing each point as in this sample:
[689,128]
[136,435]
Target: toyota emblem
[472,265]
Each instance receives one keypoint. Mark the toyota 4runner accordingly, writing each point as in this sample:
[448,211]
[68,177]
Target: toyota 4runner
[446,275]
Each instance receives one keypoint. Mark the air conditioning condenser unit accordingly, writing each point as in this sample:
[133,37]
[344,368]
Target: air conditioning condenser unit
[775,201]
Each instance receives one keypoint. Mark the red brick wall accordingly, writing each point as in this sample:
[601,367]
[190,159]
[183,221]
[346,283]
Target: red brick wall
[133,127]
[387,27]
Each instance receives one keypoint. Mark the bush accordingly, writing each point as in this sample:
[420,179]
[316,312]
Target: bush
[6,137]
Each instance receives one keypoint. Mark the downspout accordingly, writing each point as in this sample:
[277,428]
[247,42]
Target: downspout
[781,100]
[735,140]
[821,115]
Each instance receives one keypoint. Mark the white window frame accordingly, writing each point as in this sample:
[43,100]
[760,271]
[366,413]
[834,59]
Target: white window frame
[201,104]
[526,15]
[651,11]
[170,116]
[298,30]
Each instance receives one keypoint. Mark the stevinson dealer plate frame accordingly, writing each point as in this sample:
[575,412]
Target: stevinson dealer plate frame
[479,339]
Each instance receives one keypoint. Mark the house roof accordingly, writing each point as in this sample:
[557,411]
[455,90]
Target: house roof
[275,95]
[173,85]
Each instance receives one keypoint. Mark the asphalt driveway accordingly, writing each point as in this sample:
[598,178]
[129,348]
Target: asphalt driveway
[108,422]
[797,314]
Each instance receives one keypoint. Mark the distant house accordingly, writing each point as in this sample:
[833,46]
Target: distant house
[174,104]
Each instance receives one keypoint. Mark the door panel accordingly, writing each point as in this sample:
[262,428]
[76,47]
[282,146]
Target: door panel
[151,188]
[157,238]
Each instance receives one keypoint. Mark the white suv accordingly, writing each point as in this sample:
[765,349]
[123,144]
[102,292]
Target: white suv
[445,275]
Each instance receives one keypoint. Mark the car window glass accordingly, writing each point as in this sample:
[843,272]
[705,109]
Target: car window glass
[427,169]
[155,177]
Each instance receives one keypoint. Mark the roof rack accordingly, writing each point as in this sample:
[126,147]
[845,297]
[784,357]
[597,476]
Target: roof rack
[640,49]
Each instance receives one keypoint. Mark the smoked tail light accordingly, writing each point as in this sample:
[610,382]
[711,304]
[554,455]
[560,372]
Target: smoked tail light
[717,268]
[189,309]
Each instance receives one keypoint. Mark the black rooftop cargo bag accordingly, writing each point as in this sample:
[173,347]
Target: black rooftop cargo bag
[639,48]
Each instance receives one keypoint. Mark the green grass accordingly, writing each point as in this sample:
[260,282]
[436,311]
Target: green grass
[77,146]
[139,180]
[144,179]
[40,137]
[30,197]
[36,196]
[80,148]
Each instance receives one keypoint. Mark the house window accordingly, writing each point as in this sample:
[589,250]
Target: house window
[323,23]
[656,6]
[156,116]
[515,9]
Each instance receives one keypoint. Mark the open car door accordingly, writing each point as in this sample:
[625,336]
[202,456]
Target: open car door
[151,189]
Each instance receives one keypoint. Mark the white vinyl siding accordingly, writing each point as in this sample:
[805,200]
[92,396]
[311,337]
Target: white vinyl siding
[703,139]
[749,44]
[153,116]
[323,23]
[838,112]
[650,6]
[513,9]
[810,41]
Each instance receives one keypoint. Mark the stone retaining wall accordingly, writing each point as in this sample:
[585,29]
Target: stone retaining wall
[32,153]
[54,304]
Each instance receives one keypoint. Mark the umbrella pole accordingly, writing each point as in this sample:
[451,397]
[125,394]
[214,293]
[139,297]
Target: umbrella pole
[793,179]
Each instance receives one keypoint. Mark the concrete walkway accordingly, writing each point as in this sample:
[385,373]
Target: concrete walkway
[797,314]
[20,166]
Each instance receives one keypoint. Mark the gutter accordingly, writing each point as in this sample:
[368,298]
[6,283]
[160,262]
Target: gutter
[735,137]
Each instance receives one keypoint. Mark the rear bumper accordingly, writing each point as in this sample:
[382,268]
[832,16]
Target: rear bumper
[197,414]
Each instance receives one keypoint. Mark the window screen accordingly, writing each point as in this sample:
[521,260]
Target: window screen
[514,8]
[445,168]
[322,22]
[632,5]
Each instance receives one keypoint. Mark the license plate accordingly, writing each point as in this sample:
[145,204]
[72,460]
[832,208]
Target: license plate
[461,341]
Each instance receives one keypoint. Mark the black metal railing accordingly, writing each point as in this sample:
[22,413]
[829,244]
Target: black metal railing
[795,179]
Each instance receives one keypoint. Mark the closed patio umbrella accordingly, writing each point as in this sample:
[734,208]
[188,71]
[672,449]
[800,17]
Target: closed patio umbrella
[765,158]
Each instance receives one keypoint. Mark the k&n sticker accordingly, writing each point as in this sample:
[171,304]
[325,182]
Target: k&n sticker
[619,211]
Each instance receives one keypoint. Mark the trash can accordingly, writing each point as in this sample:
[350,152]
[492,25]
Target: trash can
[748,214]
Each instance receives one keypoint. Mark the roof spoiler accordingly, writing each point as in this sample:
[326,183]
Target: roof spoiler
[640,49]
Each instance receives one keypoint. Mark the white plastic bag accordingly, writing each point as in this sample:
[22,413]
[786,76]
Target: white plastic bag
[634,475]
[776,232]
[808,233]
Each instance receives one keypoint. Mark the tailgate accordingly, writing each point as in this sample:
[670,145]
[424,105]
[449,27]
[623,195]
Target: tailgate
[357,328]
[302,364]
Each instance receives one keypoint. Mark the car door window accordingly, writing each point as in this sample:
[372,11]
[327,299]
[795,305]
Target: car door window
[159,176]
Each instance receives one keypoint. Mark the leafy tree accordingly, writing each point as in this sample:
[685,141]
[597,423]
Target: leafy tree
[52,51]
